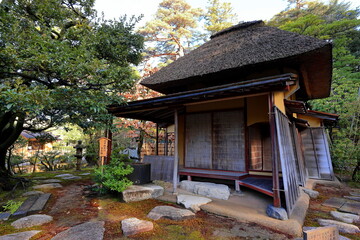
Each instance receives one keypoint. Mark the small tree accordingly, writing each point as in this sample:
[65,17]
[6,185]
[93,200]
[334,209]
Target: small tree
[219,16]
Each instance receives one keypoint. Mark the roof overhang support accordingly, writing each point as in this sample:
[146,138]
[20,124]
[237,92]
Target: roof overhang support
[176,154]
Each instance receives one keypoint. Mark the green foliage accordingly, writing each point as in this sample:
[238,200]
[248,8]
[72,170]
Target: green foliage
[113,175]
[11,206]
[219,16]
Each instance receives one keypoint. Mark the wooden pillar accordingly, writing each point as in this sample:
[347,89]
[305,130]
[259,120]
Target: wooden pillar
[176,157]
[166,142]
[274,153]
[157,140]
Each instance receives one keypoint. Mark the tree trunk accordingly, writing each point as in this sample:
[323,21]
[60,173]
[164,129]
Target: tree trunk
[353,177]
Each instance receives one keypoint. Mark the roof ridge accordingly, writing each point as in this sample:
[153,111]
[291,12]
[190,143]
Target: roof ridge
[240,25]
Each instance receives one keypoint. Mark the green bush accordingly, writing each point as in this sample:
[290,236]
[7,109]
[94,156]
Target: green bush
[11,206]
[113,176]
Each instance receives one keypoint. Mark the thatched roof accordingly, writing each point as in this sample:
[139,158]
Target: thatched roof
[238,52]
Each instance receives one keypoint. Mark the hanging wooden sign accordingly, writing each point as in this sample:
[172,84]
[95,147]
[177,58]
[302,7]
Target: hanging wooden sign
[103,146]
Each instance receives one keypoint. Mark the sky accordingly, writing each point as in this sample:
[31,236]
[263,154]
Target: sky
[246,10]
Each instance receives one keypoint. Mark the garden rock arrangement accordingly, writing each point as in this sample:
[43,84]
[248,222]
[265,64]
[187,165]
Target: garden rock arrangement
[211,190]
[20,236]
[192,202]
[84,231]
[32,220]
[170,212]
[131,226]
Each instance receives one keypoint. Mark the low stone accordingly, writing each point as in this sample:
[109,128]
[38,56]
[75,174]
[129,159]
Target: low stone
[22,211]
[64,175]
[84,174]
[192,202]
[334,202]
[136,193]
[51,181]
[351,207]
[132,226]
[157,190]
[20,236]
[71,177]
[312,194]
[322,233]
[32,220]
[84,231]
[48,186]
[353,198]
[343,227]
[356,194]
[30,193]
[311,228]
[345,217]
[213,190]
[170,212]
[277,213]
[40,203]
[4,216]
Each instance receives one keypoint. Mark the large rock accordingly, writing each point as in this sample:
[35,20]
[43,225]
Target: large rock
[312,194]
[212,190]
[84,231]
[32,220]
[30,193]
[131,226]
[136,193]
[20,236]
[169,212]
[192,202]
[345,217]
[48,186]
[343,227]
[277,213]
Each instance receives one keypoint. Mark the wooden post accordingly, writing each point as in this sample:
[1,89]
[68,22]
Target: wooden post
[166,142]
[274,155]
[157,140]
[176,157]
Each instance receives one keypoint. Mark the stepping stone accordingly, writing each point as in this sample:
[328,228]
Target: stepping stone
[334,202]
[25,206]
[32,220]
[170,212]
[40,203]
[142,192]
[192,202]
[4,216]
[312,194]
[345,217]
[64,175]
[84,174]
[276,212]
[212,190]
[84,231]
[354,198]
[356,194]
[20,236]
[351,207]
[132,226]
[30,193]
[343,227]
[157,190]
[71,178]
[48,186]
[51,181]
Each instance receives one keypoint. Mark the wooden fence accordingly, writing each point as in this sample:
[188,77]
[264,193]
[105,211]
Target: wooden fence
[162,167]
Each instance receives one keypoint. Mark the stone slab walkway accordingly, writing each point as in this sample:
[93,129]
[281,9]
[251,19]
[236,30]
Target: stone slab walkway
[32,204]
[20,236]
[84,231]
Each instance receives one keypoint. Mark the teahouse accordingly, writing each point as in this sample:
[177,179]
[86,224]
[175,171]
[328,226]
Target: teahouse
[236,104]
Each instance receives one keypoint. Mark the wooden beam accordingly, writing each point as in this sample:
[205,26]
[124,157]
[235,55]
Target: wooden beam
[274,155]
[176,157]
[157,140]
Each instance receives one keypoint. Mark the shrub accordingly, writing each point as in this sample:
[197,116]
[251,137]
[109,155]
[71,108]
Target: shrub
[113,176]
[11,206]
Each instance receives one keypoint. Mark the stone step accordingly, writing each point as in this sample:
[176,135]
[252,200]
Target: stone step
[40,203]
[4,216]
[25,206]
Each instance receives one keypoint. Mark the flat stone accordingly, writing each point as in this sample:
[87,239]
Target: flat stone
[84,231]
[277,213]
[64,175]
[30,193]
[71,178]
[343,227]
[4,216]
[354,198]
[32,220]
[157,190]
[356,194]
[312,194]
[25,206]
[20,236]
[136,193]
[48,186]
[40,203]
[345,217]
[351,207]
[51,181]
[213,190]
[132,226]
[331,233]
[192,202]
[170,212]
[334,202]
[310,228]
[84,174]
